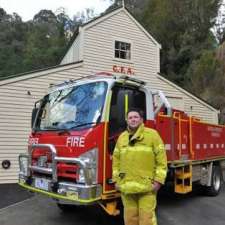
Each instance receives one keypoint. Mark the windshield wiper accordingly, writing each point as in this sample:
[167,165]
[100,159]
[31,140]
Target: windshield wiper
[50,128]
[64,129]
[83,124]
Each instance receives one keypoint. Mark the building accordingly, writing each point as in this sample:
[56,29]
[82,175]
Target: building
[114,42]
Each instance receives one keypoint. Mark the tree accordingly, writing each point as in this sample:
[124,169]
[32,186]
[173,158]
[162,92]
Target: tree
[38,43]
[183,29]
[219,27]
[206,75]
[136,7]
[12,43]
[45,40]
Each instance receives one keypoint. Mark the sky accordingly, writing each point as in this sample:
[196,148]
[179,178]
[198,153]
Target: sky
[28,8]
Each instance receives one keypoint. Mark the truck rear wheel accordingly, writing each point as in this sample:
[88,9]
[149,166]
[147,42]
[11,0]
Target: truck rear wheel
[216,182]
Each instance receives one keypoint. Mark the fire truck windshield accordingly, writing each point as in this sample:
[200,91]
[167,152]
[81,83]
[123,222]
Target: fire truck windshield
[70,108]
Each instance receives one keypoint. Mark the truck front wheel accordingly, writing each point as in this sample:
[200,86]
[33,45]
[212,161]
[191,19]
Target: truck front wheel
[66,208]
[216,182]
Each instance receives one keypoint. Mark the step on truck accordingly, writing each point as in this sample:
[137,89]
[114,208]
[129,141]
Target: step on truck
[75,128]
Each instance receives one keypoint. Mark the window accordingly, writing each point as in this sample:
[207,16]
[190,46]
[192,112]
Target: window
[74,107]
[117,117]
[122,50]
[136,99]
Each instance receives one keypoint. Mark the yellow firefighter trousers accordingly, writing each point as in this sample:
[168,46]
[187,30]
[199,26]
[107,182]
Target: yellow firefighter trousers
[139,209]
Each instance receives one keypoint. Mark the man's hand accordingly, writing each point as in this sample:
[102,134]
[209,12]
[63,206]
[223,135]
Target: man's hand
[156,186]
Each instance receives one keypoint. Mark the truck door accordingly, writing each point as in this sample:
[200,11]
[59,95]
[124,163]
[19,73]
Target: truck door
[122,99]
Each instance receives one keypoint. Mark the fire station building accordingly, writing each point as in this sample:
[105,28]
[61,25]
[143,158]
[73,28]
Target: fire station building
[114,42]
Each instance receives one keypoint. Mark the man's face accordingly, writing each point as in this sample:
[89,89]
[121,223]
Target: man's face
[134,120]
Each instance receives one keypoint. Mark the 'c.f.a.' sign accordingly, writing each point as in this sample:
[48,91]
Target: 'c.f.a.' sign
[123,70]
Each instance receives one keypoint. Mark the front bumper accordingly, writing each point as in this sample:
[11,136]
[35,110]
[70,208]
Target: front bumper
[71,193]
[48,184]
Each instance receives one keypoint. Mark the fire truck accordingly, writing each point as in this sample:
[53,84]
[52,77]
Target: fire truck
[75,128]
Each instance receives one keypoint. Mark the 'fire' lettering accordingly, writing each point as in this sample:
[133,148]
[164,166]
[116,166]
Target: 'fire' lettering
[75,141]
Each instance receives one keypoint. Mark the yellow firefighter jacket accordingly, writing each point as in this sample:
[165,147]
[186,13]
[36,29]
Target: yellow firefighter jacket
[139,160]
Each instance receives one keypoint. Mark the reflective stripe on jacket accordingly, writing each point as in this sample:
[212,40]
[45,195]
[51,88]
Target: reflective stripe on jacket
[139,161]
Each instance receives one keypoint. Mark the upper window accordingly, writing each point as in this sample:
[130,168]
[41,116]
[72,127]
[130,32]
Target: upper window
[122,50]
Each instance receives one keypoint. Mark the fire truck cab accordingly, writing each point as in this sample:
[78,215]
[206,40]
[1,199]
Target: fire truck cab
[74,131]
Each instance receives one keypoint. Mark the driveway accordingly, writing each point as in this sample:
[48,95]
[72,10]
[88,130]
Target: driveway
[191,209]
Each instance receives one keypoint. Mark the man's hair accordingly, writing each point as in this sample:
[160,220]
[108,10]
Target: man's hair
[139,111]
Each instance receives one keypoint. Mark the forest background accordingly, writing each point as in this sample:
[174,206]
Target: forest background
[191,32]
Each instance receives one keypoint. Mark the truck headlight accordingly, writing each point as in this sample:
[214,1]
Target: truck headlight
[91,160]
[23,164]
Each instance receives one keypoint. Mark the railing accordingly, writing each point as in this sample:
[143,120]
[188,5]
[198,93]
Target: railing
[53,171]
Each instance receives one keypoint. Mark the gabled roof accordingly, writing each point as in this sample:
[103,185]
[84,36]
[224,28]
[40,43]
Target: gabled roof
[84,26]
[104,16]
[187,92]
[38,73]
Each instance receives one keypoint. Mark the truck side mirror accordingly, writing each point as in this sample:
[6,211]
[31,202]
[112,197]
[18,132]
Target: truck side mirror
[34,114]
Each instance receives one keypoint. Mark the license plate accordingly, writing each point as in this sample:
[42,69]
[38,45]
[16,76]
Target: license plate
[72,194]
[42,183]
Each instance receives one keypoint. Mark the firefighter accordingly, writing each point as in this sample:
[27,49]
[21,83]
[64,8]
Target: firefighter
[139,169]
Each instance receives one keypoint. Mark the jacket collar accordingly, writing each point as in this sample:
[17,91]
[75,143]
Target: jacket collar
[139,134]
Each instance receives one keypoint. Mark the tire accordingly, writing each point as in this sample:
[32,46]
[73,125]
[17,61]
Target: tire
[216,182]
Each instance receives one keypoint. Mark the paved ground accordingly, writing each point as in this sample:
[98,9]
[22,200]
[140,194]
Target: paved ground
[12,193]
[191,209]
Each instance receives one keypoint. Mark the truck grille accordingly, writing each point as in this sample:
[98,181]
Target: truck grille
[65,171]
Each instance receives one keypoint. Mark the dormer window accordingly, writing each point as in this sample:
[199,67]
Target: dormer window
[122,50]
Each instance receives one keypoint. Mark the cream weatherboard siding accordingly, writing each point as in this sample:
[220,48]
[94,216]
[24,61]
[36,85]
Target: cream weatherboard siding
[73,54]
[99,52]
[192,105]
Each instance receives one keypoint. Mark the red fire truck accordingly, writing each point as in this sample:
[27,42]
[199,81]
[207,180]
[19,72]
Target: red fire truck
[75,128]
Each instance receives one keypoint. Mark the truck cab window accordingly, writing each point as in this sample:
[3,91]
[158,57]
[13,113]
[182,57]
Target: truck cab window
[117,117]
